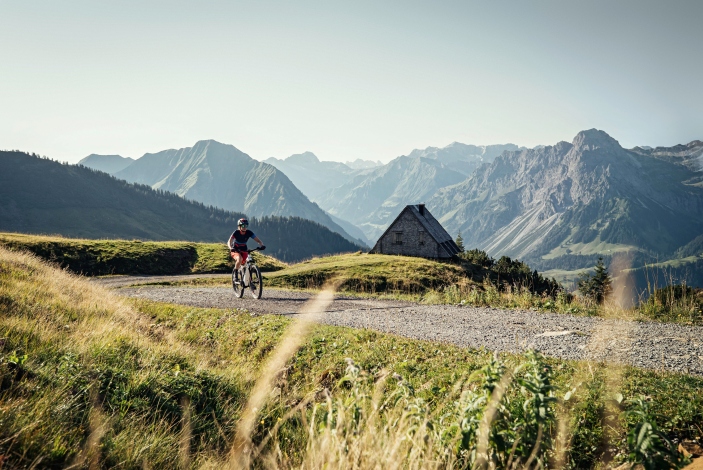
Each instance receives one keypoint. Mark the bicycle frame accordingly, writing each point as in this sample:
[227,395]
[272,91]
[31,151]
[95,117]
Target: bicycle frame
[245,277]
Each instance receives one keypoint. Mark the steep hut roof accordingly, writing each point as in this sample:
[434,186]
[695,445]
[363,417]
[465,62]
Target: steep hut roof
[431,226]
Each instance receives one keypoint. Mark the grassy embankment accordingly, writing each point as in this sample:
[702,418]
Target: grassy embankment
[101,257]
[88,378]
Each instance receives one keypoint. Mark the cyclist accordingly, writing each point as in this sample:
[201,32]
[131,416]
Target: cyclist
[238,244]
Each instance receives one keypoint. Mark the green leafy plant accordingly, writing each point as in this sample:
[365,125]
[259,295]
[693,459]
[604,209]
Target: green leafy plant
[647,444]
[16,359]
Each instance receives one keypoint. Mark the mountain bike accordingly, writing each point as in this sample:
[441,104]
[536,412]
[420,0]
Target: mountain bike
[249,278]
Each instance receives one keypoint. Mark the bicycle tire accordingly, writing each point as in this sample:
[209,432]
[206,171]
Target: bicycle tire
[256,284]
[237,285]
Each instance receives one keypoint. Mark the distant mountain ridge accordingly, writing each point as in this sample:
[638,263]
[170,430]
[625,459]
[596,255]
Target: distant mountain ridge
[360,164]
[373,198]
[222,176]
[312,176]
[334,185]
[690,155]
[41,196]
[107,163]
[462,157]
[586,197]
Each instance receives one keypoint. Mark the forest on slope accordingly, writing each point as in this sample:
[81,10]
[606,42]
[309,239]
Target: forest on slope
[41,196]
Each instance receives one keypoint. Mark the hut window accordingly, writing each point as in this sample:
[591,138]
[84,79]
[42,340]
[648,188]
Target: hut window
[421,236]
[398,238]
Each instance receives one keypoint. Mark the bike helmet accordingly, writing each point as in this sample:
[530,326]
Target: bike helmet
[242,222]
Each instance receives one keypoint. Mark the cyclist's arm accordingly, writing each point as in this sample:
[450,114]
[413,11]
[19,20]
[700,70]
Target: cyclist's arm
[256,239]
[229,242]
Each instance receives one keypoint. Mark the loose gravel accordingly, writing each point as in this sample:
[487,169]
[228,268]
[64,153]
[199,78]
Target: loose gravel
[648,345]
[135,280]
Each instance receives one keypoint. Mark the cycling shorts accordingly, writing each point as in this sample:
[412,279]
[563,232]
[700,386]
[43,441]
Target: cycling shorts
[243,254]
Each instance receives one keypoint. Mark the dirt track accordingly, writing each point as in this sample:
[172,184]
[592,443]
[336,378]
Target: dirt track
[649,345]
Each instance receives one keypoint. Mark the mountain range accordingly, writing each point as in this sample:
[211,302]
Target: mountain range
[371,199]
[358,202]
[41,196]
[555,206]
[220,175]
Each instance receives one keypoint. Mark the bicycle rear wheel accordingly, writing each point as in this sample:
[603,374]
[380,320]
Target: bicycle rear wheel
[237,284]
[256,284]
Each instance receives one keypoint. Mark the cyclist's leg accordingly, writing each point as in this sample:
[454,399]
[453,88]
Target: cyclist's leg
[237,260]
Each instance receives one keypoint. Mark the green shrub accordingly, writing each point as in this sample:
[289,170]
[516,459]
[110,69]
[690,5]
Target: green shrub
[478,257]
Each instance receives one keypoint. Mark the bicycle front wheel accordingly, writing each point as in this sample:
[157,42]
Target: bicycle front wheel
[237,284]
[256,284]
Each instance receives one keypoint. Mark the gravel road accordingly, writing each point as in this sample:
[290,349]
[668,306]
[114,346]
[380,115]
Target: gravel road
[125,280]
[647,345]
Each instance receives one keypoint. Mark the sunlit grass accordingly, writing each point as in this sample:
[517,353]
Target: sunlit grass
[100,257]
[86,376]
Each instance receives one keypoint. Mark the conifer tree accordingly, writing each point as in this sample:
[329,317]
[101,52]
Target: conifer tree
[596,286]
[460,242]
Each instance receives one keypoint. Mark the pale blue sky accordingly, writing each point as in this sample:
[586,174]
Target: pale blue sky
[346,80]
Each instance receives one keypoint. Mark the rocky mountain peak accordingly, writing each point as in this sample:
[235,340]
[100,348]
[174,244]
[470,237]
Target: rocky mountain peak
[206,143]
[210,148]
[593,139]
[305,158]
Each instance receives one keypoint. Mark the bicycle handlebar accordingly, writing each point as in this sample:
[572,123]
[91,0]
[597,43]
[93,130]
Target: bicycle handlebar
[258,248]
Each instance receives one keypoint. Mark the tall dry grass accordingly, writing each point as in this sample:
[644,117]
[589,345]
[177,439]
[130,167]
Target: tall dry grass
[508,414]
[242,448]
[83,348]
[501,417]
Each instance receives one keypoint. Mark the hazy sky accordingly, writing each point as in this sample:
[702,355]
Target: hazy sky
[345,80]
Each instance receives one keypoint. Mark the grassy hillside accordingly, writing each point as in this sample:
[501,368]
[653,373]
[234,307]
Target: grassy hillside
[646,272]
[361,272]
[372,273]
[41,196]
[688,270]
[89,379]
[99,257]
